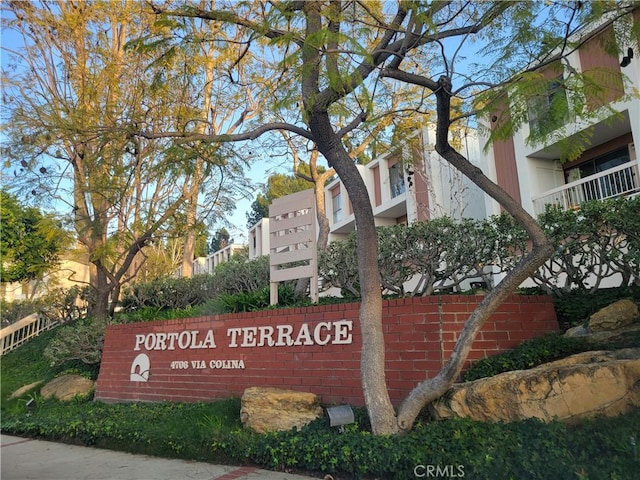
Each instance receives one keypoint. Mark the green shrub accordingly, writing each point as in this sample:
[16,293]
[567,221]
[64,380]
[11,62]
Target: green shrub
[601,238]
[529,449]
[65,305]
[527,355]
[338,267]
[243,302]
[253,301]
[81,341]
[576,306]
[18,309]
[239,275]
[168,293]
[60,304]
[181,430]
[599,241]
[151,314]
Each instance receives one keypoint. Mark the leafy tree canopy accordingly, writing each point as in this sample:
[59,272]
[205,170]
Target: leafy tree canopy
[278,185]
[30,243]
[221,239]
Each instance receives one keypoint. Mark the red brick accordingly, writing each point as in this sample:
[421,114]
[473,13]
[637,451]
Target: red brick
[351,314]
[493,335]
[351,382]
[477,354]
[485,345]
[402,328]
[452,319]
[426,365]
[434,354]
[426,327]
[413,355]
[427,300]
[333,316]
[391,356]
[457,308]
[449,336]
[412,337]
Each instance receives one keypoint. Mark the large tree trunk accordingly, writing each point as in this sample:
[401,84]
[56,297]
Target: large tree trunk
[323,221]
[188,253]
[542,249]
[372,363]
[101,307]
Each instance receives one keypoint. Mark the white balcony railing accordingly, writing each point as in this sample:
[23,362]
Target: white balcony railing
[620,180]
[18,333]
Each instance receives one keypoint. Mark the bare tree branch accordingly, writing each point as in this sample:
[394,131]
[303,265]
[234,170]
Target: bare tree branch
[238,137]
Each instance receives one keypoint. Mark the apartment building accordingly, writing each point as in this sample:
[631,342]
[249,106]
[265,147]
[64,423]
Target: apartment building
[202,265]
[609,166]
[259,239]
[411,183]
[414,183]
[72,271]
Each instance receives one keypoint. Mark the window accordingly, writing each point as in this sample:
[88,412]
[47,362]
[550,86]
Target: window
[396,179]
[598,164]
[548,112]
[606,186]
[336,202]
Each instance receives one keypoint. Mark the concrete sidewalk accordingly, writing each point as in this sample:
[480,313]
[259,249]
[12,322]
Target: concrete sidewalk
[24,458]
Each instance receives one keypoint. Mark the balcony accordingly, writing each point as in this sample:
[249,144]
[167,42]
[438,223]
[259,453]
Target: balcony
[614,182]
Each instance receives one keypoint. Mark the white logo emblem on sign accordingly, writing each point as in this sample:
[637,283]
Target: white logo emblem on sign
[140,368]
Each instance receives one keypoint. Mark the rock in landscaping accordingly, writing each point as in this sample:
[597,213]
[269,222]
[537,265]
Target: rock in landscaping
[623,337]
[579,331]
[67,386]
[22,390]
[615,316]
[580,386]
[265,409]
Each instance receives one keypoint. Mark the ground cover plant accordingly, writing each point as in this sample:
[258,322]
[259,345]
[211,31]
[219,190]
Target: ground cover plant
[548,348]
[597,449]
[576,306]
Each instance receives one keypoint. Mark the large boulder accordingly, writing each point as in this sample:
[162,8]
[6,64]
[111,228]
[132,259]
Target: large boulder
[613,317]
[582,385]
[66,387]
[266,409]
[22,390]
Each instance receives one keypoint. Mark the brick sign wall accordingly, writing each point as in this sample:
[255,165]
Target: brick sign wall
[315,349]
